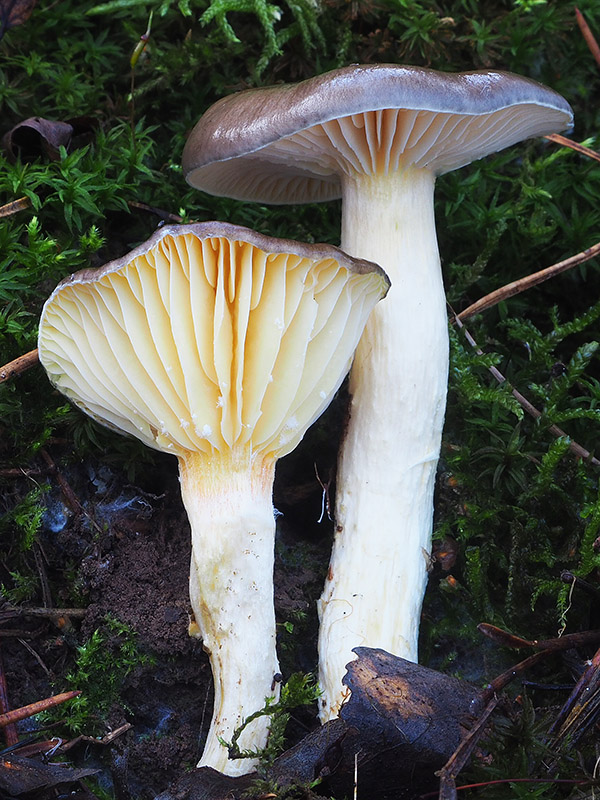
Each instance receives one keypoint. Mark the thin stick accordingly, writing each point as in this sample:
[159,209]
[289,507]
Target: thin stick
[556,645]
[588,588]
[500,781]
[19,365]
[69,495]
[505,678]
[48,613]
[522,284]
[35,708]
[167,216]
[462,754]
[9,209]
[588,35]
[11,735]
[580,148]
[583,697]
[575,448]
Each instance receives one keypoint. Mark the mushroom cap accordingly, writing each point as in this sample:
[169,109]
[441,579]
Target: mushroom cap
[290,143]
[209,336]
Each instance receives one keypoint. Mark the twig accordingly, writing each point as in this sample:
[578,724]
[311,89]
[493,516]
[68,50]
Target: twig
[574,447]
[570,143]
[522,284]
[556,645]
[49,613]
[15,633]
[19,472]
[15,206]
[500,781]
[68,493]
[167,216]
[582,705]
[588,588]
[462,754]
[11,735]
[588,35]
[35,655]
[505,678]
[35,708]
[19,365]
[57,745]
[41,561]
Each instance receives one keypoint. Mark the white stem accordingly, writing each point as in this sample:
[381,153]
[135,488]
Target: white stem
[386,470]
[228,501]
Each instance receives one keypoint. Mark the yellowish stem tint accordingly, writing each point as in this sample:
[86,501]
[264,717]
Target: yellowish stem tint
[228,501]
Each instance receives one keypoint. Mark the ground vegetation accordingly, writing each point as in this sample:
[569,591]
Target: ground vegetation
[94,544]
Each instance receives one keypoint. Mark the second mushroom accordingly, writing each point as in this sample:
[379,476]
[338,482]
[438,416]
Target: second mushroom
[220,346]
[377,136]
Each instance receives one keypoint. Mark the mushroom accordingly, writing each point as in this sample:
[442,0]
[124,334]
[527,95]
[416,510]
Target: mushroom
[221,346]
[378,136]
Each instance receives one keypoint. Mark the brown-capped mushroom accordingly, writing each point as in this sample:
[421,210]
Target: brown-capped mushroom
[377,136]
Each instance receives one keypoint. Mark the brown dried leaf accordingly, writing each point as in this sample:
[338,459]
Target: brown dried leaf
[13,13]
[445,553]
[37,136]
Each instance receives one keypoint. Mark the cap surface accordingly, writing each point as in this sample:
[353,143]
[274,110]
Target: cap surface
[209,336]
[291,143]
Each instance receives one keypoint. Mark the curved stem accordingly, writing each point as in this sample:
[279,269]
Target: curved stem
[386,470]
[228,501]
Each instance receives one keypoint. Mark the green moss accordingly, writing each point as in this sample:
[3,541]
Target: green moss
[101,666]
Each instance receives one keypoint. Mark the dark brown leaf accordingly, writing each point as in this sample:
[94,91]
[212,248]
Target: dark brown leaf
[37,136]
[13,13]
[22,775]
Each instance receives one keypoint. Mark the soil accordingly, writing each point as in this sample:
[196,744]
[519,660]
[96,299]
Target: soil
[126,554]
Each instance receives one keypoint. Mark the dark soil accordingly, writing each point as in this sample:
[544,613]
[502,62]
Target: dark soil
[126,555]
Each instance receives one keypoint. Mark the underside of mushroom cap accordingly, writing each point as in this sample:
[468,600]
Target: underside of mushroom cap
[209,336]
[291,143]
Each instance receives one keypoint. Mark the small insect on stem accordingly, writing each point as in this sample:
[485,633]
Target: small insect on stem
[277,678]
[325,501]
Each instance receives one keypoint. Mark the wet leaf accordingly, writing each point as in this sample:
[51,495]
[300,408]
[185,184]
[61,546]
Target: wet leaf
[13,13]
[21,775]
[37,136]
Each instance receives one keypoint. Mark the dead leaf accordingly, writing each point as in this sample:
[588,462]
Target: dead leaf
[22,775]
[13,13]
[37,136]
